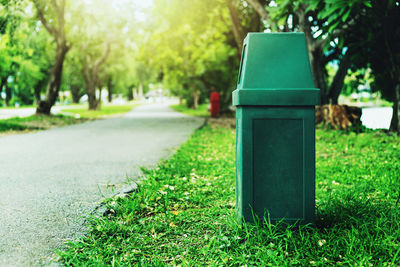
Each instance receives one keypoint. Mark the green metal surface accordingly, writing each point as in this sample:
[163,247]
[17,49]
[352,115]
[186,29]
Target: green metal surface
[275,60]
[275,143]
[276,97]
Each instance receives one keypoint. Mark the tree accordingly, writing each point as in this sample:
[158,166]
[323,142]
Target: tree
[194,51]
[72,76]
[377,42]
[92,64]
[371,32]
[10,19]
[5,66]
[324,36]
[244,20]
[52,16]
[101,42]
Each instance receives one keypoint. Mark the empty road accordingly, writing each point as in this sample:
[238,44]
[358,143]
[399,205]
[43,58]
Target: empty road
[50,179]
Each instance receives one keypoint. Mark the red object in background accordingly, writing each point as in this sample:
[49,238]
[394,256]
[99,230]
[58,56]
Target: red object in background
[215,104]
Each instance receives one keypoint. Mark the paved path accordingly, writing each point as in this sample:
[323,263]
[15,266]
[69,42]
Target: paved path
[49,179]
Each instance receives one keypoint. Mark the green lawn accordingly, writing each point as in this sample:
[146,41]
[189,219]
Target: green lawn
[36,122]
[201,111]
[42,122]
[184,212]
[106,110]
[20,107]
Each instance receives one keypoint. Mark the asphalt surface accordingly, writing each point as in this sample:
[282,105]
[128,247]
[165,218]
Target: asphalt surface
[50,180]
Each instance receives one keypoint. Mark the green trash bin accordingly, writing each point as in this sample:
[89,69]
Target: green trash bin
[275,137]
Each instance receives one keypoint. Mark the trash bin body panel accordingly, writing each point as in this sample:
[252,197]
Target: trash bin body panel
[276,163]
[277,153]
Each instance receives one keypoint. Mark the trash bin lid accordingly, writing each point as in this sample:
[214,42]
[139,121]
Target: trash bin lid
[275,70]
[277,97]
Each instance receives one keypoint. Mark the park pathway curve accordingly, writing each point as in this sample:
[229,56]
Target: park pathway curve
[50,179]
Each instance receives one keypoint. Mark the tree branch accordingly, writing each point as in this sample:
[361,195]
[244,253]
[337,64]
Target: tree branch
[236,26]
[40,14]
[60,10]
[86,75]
[338,80]
[304,26]
[260,9]
[105,56]
[322,42]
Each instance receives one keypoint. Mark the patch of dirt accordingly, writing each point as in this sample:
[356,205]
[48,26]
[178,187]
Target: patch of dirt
[42,125]
[222,122]
[338,116]
[14,132]
[52,123]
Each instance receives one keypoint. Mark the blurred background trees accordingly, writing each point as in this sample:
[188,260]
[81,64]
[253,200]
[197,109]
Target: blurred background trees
[188,48]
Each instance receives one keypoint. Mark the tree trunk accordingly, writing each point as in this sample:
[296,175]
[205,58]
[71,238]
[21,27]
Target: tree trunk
[110,90]
[93,102]
[2,84]
[131,93]
[236,27]
[315,54]
[394,124]
[8,95]
[92,80]
[319,74]
[92,99]
[76,95]
[99,98]
[140,93]
[262,12]
[37,94]
[195,99]
[338,81]
[44,106]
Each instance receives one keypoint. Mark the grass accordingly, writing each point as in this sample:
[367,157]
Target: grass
[184,212]
[36,122]
[201,111]
[43,122]
[20,107]
[105,111]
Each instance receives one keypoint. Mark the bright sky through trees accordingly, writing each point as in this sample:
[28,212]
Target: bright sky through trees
[190,47]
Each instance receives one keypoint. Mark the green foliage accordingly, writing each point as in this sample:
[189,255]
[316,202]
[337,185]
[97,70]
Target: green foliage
[43,122]
[23,55]
[373,35]
[338,13]
[183,212]
[188,46]
[356,78]
[201,111]
[37,122]
[10,126]
[105,111]
[192,55]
